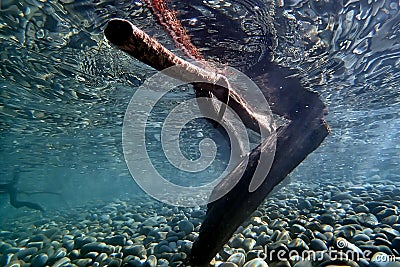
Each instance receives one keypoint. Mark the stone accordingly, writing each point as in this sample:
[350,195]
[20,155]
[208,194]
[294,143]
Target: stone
[305,263]
[237,258]
[93,255]
[304,204]
[118,240]
[198,214]
[227,264]
[262,239]
[38,245]
[151,261]
[360,238]
[318,245]
[163,249]
[385,213]
[83,262]
[361,209]
[390,232]
[278,224]
[367,219]
[186,226]
[283,236]
[280,264]
[74,254]
[25,252]
[96,247]
[297,229]
[236,242]
[136,250]
[257,262]
[396,243]
[304,237]
[178,257]
[328,218]
[338,262]
[83,240]
[39,260]
[254,254]
[114,263]
[341,196]
[61,262]
[69,245]
[186,246]
[38,238]
[372,204]
[390,220]
[297,244]
[381,241]
[248,244]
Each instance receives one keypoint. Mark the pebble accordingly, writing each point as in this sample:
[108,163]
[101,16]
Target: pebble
[83,262]
[297,244]
[338,262]
[285,263]
[114,263]
[262,239]
[390,220]
[83,240]
[164,236]
[396,243]
[118,240]
[38,245]
[164,248]
[390,232]
[304,204]
[74,254]
[258,262]
[360,237]
[236,242]
[297,229]
[341,196]
[318,245]
[198,214]
[328,218]
[303,263]
[237,258]
[228,264]
[368,220]
[39,260]
[186,226]
[58,254]
[61,262]
[248,244]
[151,261]
[69,245]
[361,209]
[25,252]
[96,247]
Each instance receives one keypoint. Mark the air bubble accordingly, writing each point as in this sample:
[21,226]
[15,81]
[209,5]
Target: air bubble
[193,21]
[40,34]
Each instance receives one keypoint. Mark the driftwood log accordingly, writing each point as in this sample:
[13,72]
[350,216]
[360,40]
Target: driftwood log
[296,139]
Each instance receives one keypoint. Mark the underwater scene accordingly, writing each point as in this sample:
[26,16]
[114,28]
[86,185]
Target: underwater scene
[227,133]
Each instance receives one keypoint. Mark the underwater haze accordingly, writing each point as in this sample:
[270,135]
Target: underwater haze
[64,91]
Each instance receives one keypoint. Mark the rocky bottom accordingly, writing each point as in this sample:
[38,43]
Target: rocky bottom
[305,224]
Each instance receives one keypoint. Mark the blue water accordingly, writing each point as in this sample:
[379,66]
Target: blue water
[64,91]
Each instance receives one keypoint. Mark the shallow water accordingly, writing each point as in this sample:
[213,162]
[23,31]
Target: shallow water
[64,92]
